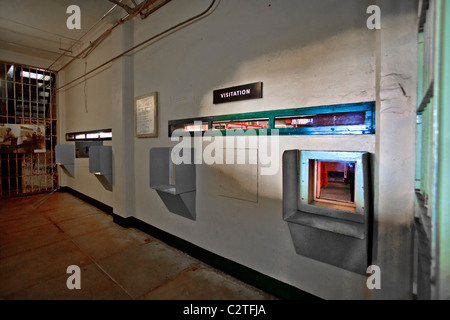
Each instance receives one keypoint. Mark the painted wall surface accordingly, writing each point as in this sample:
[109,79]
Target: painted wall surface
[21,58]
[86,106]
[307,53]
[394,157]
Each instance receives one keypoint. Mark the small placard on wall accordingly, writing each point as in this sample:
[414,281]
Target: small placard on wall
[146,113]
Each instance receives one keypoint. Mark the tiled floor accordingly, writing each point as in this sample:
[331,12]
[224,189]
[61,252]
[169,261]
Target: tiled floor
[42,235]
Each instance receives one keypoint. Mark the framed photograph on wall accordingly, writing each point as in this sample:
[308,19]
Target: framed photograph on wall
[146,115]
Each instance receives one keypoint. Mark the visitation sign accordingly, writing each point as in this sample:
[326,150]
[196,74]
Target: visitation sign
[244,92]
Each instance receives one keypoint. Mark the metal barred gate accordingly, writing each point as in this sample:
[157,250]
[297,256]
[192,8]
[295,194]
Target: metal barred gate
[28,129]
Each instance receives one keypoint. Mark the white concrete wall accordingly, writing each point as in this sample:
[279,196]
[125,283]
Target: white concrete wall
[395,148]
[86,106]
[21,58]
[307,53]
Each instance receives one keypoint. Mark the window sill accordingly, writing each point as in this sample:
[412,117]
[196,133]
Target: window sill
[347,228]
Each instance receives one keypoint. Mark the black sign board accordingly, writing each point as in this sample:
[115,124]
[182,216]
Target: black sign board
[239,93]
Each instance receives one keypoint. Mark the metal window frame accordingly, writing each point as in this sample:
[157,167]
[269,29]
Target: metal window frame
[367,128]
[86,133]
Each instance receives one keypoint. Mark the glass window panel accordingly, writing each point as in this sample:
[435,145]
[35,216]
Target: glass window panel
[191,127]
[80,136]
[31,75]
[92,135]
[241,124]
[104,135]
[322,120]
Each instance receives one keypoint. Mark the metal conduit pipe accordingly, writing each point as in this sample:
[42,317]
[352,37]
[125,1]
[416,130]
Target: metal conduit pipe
[94,43]
[148,11]
[107,13]
[129,10]
[142,7]
[139,45]
[85,52]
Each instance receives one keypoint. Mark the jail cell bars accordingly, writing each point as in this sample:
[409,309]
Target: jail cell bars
[27,98]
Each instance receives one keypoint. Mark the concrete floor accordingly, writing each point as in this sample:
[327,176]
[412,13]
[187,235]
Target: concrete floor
[336,191]
[42,235]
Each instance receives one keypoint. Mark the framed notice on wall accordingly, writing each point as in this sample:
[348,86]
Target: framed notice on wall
[146,114]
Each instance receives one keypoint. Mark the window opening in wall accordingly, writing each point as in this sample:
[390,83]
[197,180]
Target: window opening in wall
[86,139]
[333,182]
[346,119]
[324,221]
[95,135]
